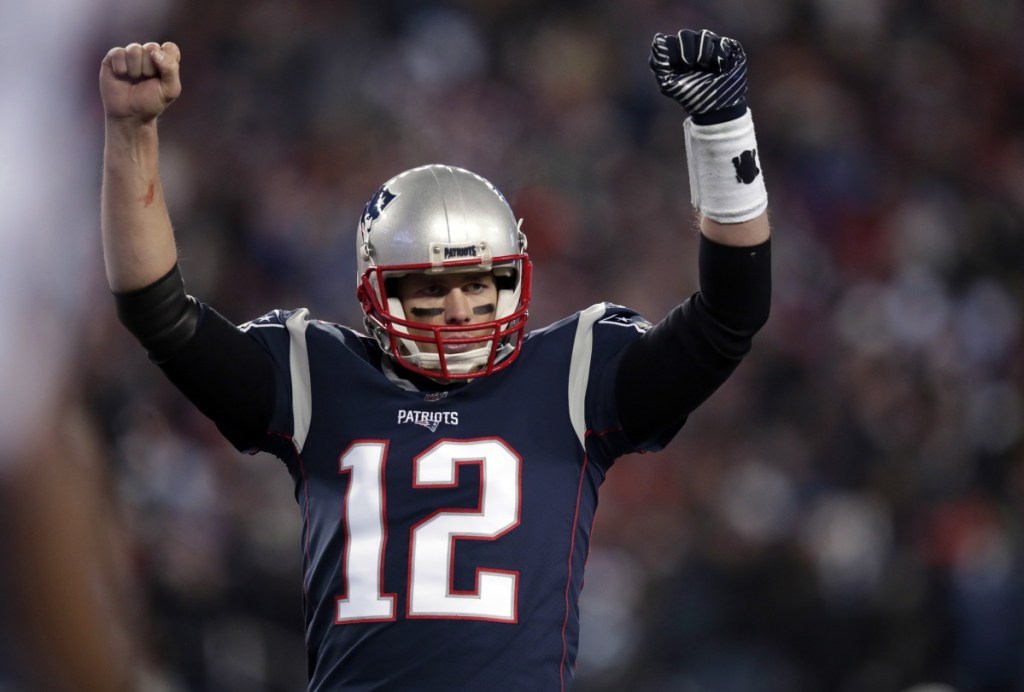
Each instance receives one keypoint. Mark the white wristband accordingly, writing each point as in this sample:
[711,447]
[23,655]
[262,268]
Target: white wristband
[726,183]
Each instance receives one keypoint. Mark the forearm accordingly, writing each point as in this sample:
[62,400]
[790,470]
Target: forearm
[138,240]
[679,363]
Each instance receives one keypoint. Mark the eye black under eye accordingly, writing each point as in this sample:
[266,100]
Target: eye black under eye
[426,312]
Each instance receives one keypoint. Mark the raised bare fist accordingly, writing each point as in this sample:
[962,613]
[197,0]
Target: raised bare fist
[139,81]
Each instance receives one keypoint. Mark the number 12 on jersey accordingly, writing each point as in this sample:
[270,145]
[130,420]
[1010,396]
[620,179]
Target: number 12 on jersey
[432,541]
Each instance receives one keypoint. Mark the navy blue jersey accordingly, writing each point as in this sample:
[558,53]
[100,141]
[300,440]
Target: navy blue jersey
[446,530]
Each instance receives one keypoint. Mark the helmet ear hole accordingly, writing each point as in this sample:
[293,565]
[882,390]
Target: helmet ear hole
[505,282]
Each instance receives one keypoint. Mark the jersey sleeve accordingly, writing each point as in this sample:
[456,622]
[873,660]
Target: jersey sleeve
[281,333]
[603,334]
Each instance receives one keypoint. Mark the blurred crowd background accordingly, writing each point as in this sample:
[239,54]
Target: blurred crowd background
[843,515]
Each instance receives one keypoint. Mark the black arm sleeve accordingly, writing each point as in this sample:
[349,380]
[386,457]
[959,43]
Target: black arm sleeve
[680,362]
[227,375]
[161,316]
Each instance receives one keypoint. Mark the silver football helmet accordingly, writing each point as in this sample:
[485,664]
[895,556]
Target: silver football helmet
[442,219]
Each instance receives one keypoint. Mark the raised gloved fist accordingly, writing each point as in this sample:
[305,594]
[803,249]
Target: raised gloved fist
[706,73]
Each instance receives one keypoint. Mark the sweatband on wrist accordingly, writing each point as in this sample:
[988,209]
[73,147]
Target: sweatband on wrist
[726,184]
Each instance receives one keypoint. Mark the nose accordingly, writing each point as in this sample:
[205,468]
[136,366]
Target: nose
[456,308]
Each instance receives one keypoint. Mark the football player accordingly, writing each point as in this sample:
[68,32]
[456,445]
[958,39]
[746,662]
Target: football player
[445,531]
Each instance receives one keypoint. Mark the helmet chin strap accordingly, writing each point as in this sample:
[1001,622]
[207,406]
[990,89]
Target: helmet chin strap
[458,363]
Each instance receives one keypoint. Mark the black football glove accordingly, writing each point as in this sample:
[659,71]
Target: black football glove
[706,73]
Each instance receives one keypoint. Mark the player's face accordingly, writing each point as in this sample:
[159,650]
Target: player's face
[449,300]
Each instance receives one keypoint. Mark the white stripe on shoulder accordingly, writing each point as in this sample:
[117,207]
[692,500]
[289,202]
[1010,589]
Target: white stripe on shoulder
[579,368]
[298,363]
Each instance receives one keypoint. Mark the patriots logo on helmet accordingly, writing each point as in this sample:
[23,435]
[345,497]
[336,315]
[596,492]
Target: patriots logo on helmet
[380,200]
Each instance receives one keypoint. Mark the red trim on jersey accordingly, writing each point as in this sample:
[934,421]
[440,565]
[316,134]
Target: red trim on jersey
[568,571]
